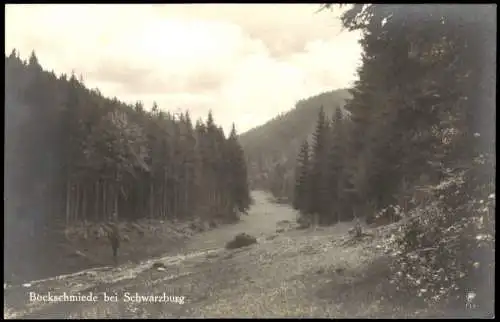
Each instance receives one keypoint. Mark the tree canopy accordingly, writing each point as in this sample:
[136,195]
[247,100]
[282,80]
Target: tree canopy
[74,155]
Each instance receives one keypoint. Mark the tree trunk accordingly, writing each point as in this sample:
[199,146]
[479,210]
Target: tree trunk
[167,196]
[186,195]
[115,201]
[104,201]
[162,205]
[96,200]
[168,211]
[151,200]
[77,202]
[68,202]
[140,200]
[175,203]
[84,204]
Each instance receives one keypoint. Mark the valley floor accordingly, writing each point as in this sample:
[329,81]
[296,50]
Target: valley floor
[290,273]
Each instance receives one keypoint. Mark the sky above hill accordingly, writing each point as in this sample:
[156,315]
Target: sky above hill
[245,62]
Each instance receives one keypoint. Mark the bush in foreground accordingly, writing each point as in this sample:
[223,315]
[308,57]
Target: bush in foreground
[241,240]
[445,255]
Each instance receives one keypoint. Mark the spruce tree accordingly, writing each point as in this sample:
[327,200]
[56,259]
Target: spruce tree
[237,172]
[318,183]
[335,174]
[301,196]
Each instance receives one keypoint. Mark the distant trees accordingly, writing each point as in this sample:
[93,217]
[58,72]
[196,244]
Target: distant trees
[301,197]
[319,174]
[318,185]
[73,155]
[238,184]
[334,171]
[271,149]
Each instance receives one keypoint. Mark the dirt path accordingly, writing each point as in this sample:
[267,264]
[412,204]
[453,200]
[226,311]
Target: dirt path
[261,221]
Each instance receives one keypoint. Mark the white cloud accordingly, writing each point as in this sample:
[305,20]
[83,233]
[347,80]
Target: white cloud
[245,62]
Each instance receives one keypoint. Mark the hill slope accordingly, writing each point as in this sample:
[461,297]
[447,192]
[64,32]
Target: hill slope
[277,142]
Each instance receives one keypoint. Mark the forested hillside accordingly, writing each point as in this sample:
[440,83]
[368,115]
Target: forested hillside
[419,143]
[73,155]
[272,147]
[407,156]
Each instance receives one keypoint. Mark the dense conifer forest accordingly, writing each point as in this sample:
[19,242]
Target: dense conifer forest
[74,155]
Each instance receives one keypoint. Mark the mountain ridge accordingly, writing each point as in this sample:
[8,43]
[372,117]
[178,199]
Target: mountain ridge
[277,141]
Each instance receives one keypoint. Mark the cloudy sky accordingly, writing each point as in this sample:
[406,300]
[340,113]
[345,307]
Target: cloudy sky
[245,62]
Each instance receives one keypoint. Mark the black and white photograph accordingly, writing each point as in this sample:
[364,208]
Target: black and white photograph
[286,160]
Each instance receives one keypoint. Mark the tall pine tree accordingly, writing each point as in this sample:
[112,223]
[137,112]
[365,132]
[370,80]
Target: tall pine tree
[237,172]
[335,173]
[318,182]
[301,191]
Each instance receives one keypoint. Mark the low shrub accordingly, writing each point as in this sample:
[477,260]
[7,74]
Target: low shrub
[241,240]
